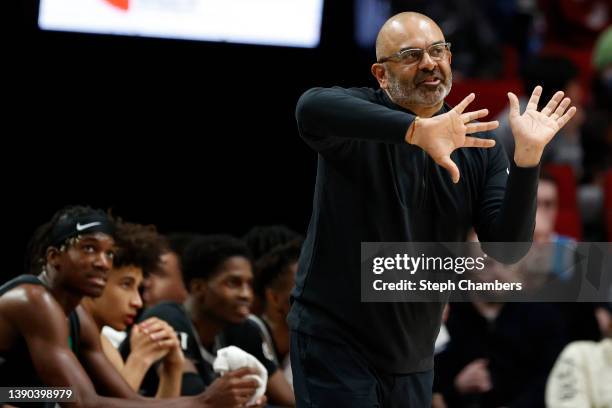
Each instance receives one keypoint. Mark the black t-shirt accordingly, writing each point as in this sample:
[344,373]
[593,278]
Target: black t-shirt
[16,366]
[246,336]
[372,186]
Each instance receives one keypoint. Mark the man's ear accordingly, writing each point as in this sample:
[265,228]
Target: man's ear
[271,298]
[198,287]
[52,257]
[380,73]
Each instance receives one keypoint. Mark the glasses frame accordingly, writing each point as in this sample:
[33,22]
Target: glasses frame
[398,55]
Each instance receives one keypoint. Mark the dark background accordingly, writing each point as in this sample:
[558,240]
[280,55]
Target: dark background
[200,136]
[190,136]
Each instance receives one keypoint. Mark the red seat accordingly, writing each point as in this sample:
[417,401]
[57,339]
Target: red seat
[568,216]
[490,94]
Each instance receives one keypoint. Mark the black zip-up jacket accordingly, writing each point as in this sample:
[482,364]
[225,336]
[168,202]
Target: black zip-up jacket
[372,186]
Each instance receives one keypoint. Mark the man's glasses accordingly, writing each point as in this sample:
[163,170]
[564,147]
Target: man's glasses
[411,56]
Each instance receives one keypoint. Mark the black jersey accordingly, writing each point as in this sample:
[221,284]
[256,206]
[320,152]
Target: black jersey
[16,367]
[246,336]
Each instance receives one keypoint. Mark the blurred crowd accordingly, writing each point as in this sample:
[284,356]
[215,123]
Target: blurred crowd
[531,354]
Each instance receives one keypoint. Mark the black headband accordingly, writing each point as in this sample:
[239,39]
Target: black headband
[88,223]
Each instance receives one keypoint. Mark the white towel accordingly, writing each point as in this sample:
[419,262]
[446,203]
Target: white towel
[114,336]
[232,358]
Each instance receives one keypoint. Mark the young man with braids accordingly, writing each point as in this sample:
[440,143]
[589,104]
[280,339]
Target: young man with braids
[42,329]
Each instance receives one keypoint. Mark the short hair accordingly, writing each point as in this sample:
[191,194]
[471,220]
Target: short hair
[177,242]
[137,245]
[262,239]
[272,268]
[43,237]
[205,254]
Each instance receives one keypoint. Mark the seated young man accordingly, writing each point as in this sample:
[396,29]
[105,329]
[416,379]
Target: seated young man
[218,274]
[165,283]
[42,329]
[275,277]
[138,252]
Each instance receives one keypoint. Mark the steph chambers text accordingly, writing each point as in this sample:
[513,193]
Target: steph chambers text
[463,285]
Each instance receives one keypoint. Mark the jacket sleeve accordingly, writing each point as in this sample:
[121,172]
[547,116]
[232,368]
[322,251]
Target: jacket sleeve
[506,212]
[329,117]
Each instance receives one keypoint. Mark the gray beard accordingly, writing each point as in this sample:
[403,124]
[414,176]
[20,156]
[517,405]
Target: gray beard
[405,94]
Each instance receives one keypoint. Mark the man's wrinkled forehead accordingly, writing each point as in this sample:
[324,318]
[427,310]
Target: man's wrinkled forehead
[421,35]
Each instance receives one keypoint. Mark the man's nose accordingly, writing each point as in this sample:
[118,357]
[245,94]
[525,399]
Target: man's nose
[103,261]
[246,292]
[136,301]
[427,63]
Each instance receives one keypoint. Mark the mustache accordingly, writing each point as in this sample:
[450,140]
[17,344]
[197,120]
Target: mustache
[422,75]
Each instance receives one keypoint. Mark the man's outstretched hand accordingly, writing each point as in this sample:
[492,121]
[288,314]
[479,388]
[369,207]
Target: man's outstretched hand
[533,130]
[440,135]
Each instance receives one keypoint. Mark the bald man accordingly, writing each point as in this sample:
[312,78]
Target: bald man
[397,164]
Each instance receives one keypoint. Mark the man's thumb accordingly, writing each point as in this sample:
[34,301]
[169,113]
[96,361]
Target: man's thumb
[514,105]
[452,168]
